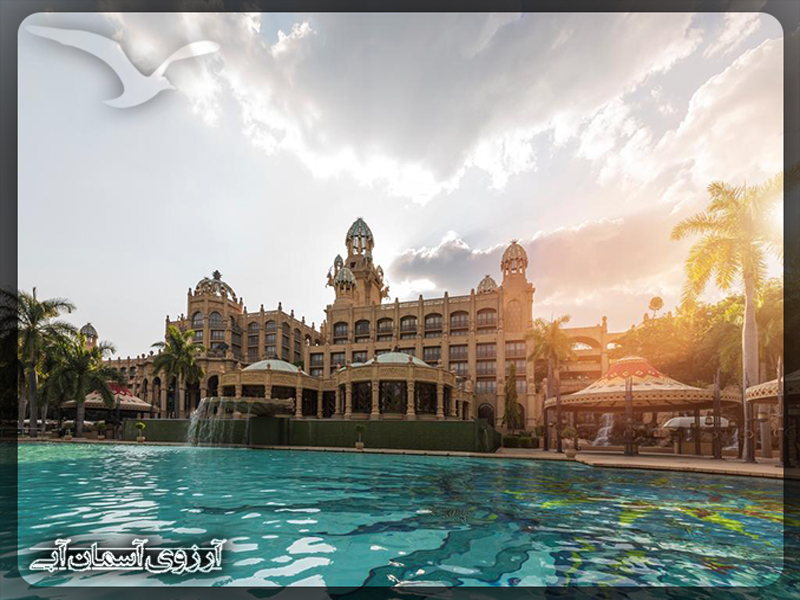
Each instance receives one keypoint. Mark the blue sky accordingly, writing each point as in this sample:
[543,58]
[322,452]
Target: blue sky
[585,136]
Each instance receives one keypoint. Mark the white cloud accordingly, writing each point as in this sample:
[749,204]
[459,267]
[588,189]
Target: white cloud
[411,102]
[737,27]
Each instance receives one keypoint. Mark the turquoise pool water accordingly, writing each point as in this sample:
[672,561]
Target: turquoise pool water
[336,519]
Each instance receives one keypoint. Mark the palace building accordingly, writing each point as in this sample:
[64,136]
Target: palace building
[438,358]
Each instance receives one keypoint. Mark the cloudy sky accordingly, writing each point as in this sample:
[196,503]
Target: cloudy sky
[586,137]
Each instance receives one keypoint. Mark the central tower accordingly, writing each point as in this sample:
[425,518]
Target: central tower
[356,279]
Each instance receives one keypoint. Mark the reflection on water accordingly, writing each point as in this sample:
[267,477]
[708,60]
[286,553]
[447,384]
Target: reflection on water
[336,519]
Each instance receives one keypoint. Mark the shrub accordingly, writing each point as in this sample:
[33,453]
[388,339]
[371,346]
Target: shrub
[525,434]
[510,441]
[534,442]
[525,442]
[140,426]
[99,426]
[569,432]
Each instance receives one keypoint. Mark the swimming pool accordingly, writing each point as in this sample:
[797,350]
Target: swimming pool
[351,519]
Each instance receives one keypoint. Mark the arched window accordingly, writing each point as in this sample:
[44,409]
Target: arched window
[486,411]
[487,317]
[433,321]
[459,320]
[408,324]
[340,331]
[197,320]
[297,335]
[215,319]
[362,328]
[385,325]
[132,372]
[271,327]
[253,327]
[286,328]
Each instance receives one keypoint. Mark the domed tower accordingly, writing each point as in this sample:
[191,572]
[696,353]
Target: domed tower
[369,280]
[517,291]
[359,240]
[345,284]
[90,333]
[487,285]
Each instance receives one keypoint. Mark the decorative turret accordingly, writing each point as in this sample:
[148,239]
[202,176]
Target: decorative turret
[487,285]
[514,261]
[359,238]
[215,286]
[90,333]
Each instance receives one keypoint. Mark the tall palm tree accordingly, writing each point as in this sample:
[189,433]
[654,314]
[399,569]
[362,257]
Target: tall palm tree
[36,324]
[81,372]
[738,234]
[178,358]
[551,343]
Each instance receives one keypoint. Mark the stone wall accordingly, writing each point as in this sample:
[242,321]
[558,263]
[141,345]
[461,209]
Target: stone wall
[455,436]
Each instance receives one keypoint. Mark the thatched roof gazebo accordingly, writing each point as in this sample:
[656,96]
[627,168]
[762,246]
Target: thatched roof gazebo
[633,385]
[128,403]
[773,393]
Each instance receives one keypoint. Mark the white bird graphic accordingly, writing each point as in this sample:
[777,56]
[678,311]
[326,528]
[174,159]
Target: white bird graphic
[138,88]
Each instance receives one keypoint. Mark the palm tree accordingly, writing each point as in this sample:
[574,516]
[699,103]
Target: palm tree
[550,342]
[36,325]
[656,304]
[737,236]
[81,372]
[178,358]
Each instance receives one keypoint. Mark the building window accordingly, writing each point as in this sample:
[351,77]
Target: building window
[215,319]
[285,340]
[270,351]
[337,360]
[297,359]
[198,335]
[382,351]
[340,331]
[217,334]
[459,320]
[384,338]
[317,360]
[433,322]
[252,354]
[487,318]
[459,352]
[317,371]
[271,326]
[485,368]
[407,336]
[360,356]
[362,327]
[461,367]
[253,327]
[236,339]
[519,366]
[385,325]
[486,350]
[486,386]
[409,351]
[197,320]
[271,338]
[252,340]
[285,354]
[515,349]
[522,386]
[432,355]
[298,337]
[408,324]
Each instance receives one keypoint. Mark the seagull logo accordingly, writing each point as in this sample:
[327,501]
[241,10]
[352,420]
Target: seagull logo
[137,88]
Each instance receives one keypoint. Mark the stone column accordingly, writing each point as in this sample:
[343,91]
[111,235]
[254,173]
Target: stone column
[410,412]
[320,395]
[453,412]
[238,390]
[162,391]
[376,409]
[440,400]
[764,416]
[348,399]
[298,403]
[337,411]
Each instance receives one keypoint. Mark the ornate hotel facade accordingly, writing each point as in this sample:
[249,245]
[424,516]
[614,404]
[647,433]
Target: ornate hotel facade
[449,357]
